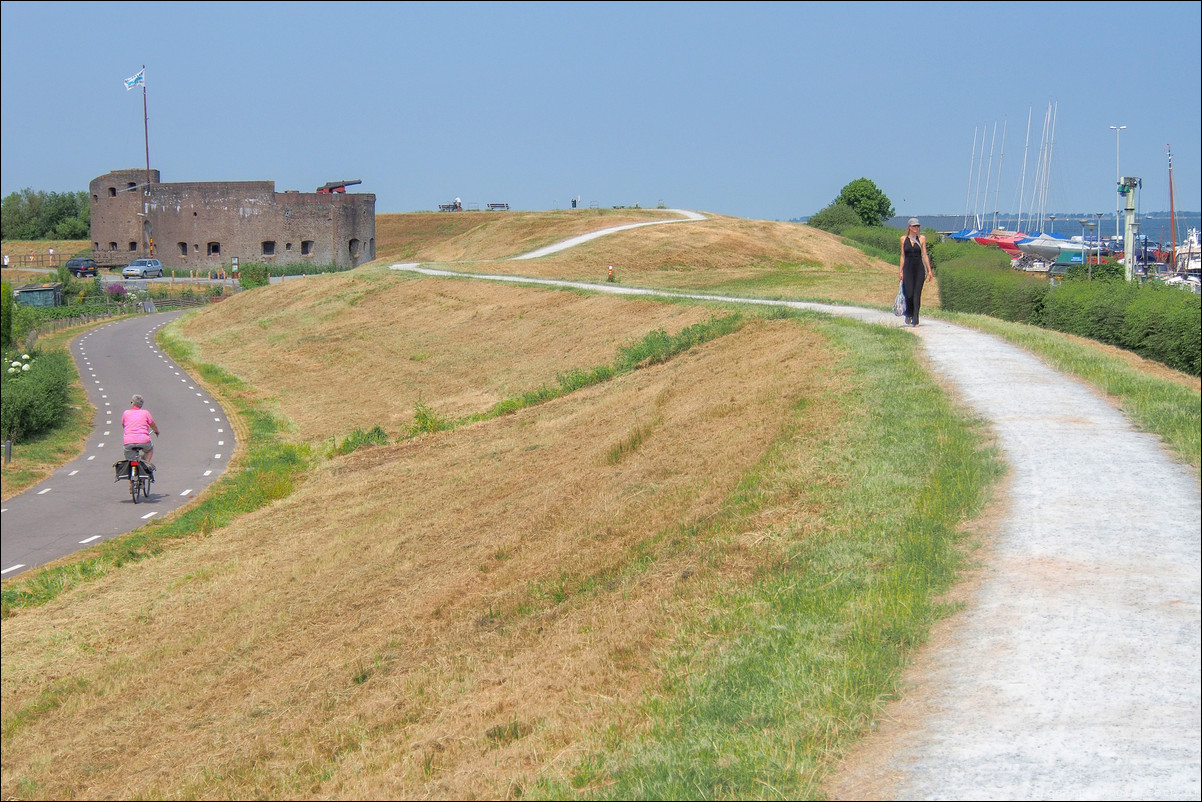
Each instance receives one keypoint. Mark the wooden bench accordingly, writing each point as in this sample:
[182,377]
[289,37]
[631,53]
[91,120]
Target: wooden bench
[498,207]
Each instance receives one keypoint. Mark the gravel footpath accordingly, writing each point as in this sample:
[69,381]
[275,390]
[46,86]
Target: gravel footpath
[1073,672]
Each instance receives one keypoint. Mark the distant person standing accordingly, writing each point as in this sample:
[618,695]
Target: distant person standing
[914,269]
[458,205]
[51,250]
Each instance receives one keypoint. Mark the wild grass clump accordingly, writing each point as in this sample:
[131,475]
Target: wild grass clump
[425,420]
[359,438]
[658,346]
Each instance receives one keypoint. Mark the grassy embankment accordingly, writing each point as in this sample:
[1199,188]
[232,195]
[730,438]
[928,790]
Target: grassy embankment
[698,577]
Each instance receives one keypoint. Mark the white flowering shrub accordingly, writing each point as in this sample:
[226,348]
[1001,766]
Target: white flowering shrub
[34,391]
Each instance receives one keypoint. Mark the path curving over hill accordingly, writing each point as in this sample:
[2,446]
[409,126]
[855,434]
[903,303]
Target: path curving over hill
[574,241]
[1074,671]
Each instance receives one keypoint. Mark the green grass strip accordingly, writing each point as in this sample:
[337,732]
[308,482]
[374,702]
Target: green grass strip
[268,470]
[655,347]
[765,694]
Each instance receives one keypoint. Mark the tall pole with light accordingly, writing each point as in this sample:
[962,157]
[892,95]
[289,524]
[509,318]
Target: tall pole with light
[1127,187]
[1091,225]
[1118,129]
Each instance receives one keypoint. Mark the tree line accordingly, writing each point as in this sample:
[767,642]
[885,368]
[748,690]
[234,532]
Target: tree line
[34,215]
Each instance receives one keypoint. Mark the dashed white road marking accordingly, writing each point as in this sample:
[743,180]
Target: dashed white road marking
[44,492]
[149,515]
[186,492]
[73,472]
[12,568]
[90,539]
[207,473]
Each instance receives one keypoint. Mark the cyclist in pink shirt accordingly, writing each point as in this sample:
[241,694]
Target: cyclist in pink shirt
[138,424]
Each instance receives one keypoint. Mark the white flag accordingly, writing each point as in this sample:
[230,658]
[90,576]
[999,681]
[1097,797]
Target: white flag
[140,78]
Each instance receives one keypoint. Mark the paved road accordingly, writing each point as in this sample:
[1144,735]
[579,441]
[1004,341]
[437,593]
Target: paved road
[1074,673]
[80,505]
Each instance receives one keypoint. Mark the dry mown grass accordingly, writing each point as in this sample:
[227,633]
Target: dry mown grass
[464,613]
[459,236]
[449,617]
[724,254]
[346,351]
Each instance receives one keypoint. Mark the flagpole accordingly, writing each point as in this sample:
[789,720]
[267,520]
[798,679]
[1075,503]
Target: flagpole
[146,191]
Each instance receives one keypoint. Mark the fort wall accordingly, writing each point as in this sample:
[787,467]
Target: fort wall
[204,225]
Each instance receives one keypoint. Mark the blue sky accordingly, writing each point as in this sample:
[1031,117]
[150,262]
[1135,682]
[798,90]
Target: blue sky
[757,110]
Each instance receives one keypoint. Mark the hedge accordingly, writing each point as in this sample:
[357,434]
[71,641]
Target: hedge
[1157,322]
[34,400]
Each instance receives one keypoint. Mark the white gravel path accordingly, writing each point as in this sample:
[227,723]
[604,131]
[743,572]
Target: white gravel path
[1074,671]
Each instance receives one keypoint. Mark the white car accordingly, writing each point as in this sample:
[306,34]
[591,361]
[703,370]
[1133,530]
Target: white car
[143,268]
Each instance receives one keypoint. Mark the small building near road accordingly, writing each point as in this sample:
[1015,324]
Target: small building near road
[48,294]
[204,224]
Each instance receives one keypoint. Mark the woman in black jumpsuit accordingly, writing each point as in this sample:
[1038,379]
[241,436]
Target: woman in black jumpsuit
[914,269]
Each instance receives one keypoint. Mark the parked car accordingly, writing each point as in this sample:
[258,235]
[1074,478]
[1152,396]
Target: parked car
[80,266]
[143,268]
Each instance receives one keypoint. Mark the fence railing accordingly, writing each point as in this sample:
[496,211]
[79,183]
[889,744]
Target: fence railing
[43,259]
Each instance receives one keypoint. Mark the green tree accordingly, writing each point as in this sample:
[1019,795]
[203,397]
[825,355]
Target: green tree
[836,218]
[30,215]
[872,205]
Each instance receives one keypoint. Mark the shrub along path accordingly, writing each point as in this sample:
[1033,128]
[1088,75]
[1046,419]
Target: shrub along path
[1074,669]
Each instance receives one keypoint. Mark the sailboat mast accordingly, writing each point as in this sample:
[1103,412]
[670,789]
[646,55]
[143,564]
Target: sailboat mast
[1047,179]
[976,203]
[1022,187]
[968,195]
[989,171]
[1001,159]
[1172,207]
[1040,187]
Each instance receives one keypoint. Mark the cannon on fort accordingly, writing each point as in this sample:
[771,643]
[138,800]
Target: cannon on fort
[337,186]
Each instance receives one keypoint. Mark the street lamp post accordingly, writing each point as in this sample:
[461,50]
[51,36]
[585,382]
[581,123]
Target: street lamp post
[1132,258]
[1118,129]
[1091,225]
[1052,217]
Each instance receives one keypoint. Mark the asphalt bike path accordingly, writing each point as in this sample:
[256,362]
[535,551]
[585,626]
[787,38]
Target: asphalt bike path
[1073,672]
[80,505]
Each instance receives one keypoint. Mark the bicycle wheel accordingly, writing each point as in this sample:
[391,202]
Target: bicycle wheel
[134,487]
[146,487]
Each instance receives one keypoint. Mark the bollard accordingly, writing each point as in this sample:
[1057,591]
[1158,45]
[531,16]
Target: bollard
[8,451]
[611,273]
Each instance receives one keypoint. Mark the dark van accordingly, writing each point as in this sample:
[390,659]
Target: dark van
[81,267]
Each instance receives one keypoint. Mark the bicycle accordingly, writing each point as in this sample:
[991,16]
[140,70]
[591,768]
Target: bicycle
[135,469]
